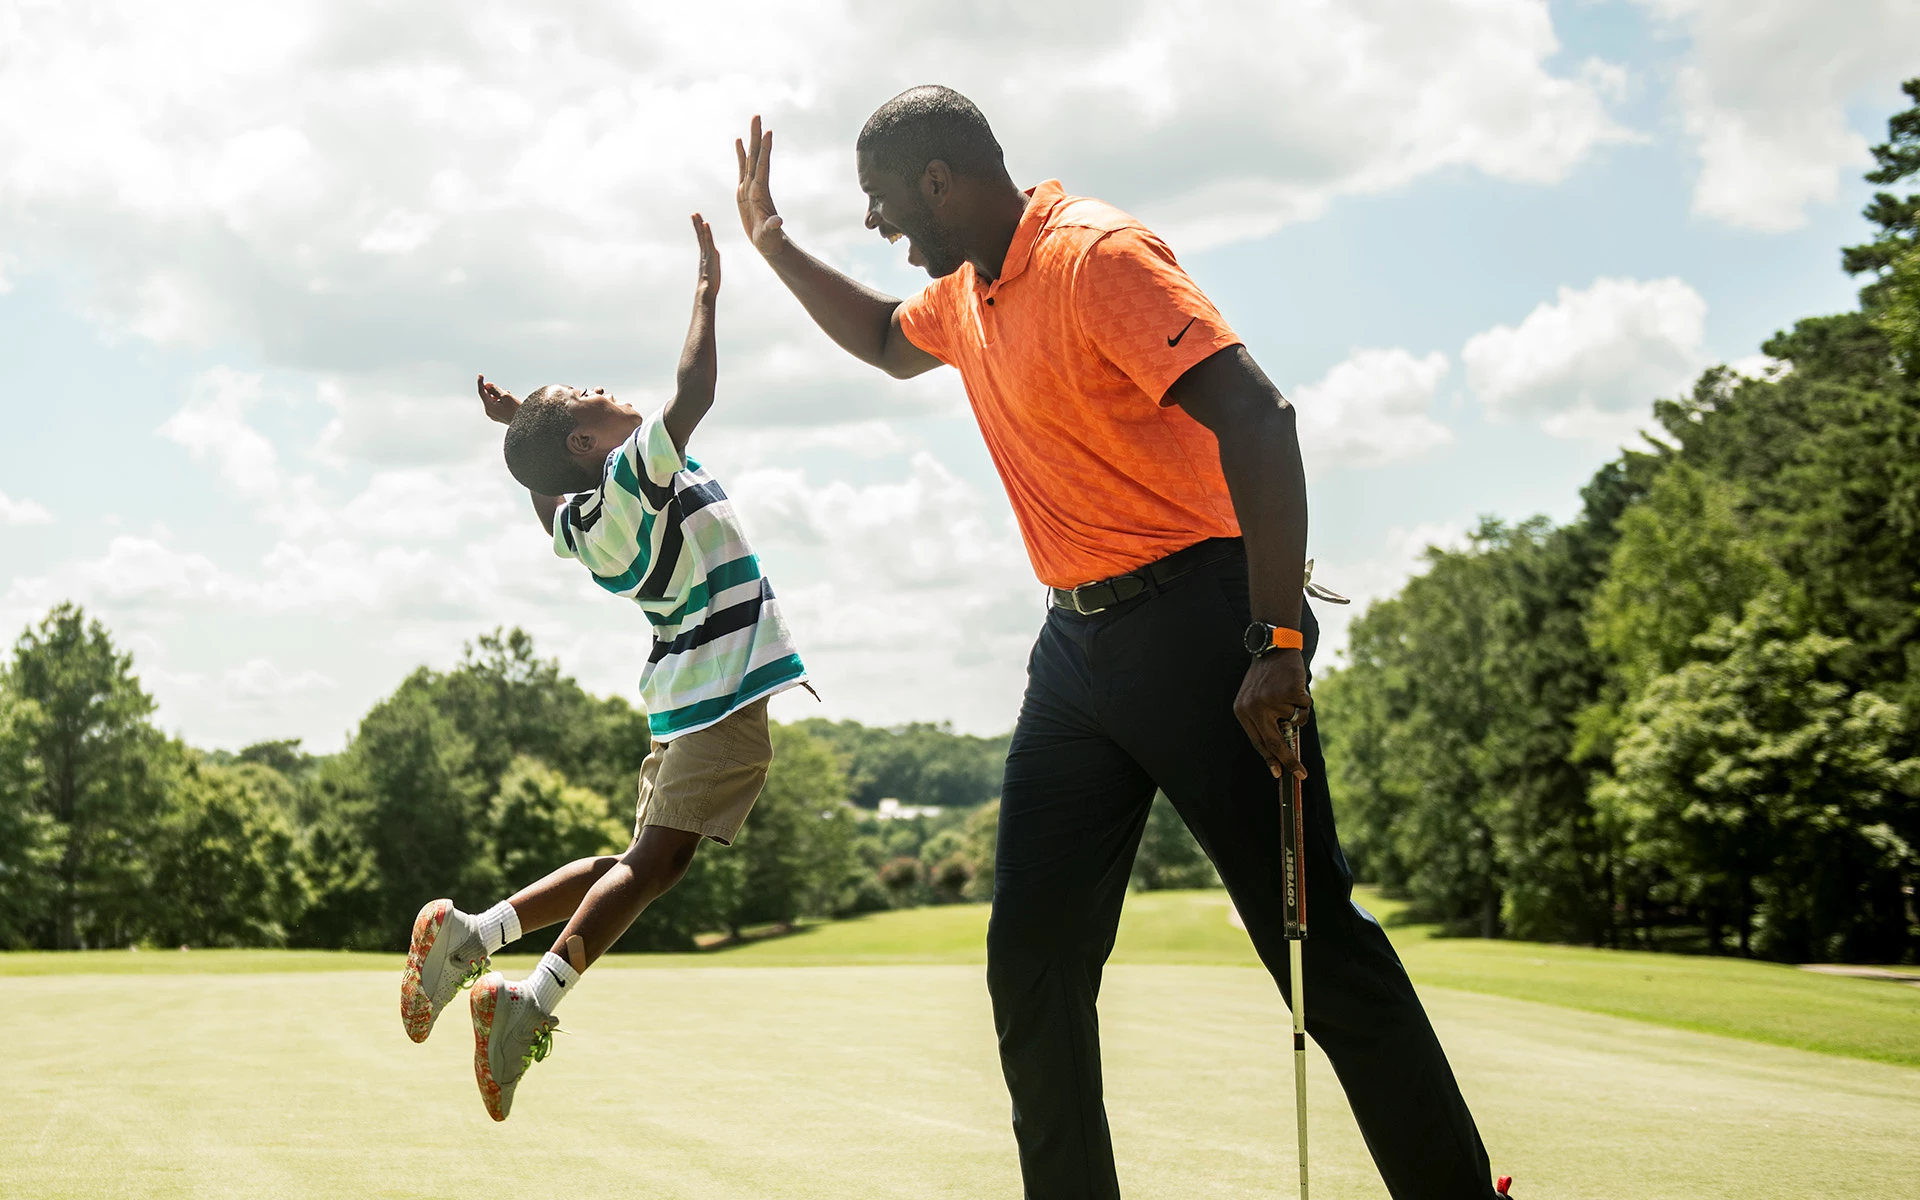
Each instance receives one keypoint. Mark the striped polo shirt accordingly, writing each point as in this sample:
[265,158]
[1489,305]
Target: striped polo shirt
[660,531]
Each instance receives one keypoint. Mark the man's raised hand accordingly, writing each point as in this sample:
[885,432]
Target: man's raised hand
[708,285]
[500,405]
[757,214]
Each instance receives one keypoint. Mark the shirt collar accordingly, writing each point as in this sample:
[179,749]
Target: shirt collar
[1042,199]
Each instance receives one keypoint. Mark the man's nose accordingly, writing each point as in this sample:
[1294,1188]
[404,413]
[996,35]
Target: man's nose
[873,217]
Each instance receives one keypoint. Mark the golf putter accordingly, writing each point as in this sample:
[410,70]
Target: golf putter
[1292,840]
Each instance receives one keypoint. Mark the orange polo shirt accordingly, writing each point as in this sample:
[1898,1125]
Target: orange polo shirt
[1067,358]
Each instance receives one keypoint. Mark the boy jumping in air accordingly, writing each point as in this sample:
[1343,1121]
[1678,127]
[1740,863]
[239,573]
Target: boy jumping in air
[654,527]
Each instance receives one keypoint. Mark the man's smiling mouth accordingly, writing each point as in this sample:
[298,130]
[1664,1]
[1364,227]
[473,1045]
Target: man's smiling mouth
[893,237]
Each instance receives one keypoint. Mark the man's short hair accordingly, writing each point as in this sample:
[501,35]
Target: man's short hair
[928,122]
[536,445]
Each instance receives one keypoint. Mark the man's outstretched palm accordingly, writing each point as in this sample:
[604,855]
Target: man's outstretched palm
[757,214]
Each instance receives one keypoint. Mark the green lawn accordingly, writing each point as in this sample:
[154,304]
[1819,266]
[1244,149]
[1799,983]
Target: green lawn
[1763,1002]
[736,1082]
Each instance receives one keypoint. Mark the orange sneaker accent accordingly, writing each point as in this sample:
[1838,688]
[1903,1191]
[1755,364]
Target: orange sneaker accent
[416,1008]
[486,994]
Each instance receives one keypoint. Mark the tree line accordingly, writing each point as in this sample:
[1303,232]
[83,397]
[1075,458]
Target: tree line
[466,783]
[1690,718]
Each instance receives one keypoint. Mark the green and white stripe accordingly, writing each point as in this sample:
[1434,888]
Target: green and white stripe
[660,531]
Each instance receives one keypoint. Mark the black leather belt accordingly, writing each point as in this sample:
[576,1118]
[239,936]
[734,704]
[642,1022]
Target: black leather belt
[1095,597]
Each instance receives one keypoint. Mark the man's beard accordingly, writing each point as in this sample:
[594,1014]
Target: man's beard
[941,251]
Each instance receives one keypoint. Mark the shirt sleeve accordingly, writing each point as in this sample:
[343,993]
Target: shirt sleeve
[597,527]
[1144,313]
[924,318]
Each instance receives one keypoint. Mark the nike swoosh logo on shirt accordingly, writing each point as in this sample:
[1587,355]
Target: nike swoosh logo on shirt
[1175,339]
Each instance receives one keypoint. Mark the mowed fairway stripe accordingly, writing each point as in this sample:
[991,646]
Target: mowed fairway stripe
[874,1082]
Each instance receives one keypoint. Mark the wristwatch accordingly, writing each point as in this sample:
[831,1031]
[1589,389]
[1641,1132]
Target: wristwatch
[1263,638]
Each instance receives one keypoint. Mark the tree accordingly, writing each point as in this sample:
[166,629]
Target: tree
[1898,217]
[1168,856]
[1770,796]
[223,857]
[982,832]
[540,821]
[917,764]
[413,798]
[508,702]
[29,840]
[1683,559]
[93,744]
[796,851]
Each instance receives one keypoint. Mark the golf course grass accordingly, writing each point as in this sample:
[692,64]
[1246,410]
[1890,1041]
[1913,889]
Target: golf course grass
[856,1059]
[1764,1002]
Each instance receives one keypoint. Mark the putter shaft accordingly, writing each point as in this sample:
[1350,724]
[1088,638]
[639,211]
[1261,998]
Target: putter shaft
[1292,840]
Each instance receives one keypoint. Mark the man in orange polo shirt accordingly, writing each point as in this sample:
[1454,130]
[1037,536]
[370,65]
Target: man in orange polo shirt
[1158,485]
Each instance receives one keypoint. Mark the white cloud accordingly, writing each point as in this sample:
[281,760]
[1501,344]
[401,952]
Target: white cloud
[1402,554]
[911,599]
[1591,363]
[1372,409]
[22,512]
[213,425]
[260,680]
[133,574]
[346,188]
[1764,91]
[369,204]
[1764,367]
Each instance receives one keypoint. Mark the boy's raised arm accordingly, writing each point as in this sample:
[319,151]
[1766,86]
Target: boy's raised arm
[500,406]
[699,358]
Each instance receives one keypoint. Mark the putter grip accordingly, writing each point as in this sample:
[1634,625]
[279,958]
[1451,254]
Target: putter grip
[1292,843]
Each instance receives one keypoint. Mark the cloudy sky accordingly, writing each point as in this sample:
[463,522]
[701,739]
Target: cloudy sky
[251,257]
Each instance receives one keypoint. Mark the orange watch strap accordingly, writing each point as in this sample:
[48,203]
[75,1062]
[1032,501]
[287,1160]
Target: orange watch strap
[1288,639]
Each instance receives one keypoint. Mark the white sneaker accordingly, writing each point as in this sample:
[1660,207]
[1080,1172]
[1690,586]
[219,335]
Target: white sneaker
[445,955]
[510,1034]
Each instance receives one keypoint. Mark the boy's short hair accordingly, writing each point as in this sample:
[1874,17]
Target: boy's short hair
[536,445]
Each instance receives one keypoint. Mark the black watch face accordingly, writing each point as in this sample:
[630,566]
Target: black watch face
[1259,637]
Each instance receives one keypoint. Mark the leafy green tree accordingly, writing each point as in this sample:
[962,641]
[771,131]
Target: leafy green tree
[283,755]
[917,764]
[339,860]
[29,840]
[1898,217]
[223,857]
[540,821]
[1682,560]
[93,745]
[509,702]
[982,832]
[1769,795]
[1168,855]
[409,791]
[796,850]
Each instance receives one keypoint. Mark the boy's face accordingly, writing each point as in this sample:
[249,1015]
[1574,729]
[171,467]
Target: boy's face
[600,423]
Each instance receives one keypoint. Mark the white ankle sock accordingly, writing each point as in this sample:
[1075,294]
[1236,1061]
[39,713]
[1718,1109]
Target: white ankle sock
[499,925]
[551,980]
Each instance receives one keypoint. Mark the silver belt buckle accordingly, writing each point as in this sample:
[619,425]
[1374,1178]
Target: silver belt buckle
[1073,593]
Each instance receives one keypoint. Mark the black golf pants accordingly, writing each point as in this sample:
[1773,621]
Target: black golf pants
[1117,703]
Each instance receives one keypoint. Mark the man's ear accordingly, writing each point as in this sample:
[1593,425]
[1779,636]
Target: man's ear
[580,441]
[936,183]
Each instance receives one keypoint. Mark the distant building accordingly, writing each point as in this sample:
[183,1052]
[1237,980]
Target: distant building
[892,810]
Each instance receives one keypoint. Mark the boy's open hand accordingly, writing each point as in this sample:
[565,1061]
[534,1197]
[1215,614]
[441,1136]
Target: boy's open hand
[708,285]
[757,214]
[500,405]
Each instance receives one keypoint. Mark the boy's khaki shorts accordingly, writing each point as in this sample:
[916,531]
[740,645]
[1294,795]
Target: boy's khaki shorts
[706,782]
